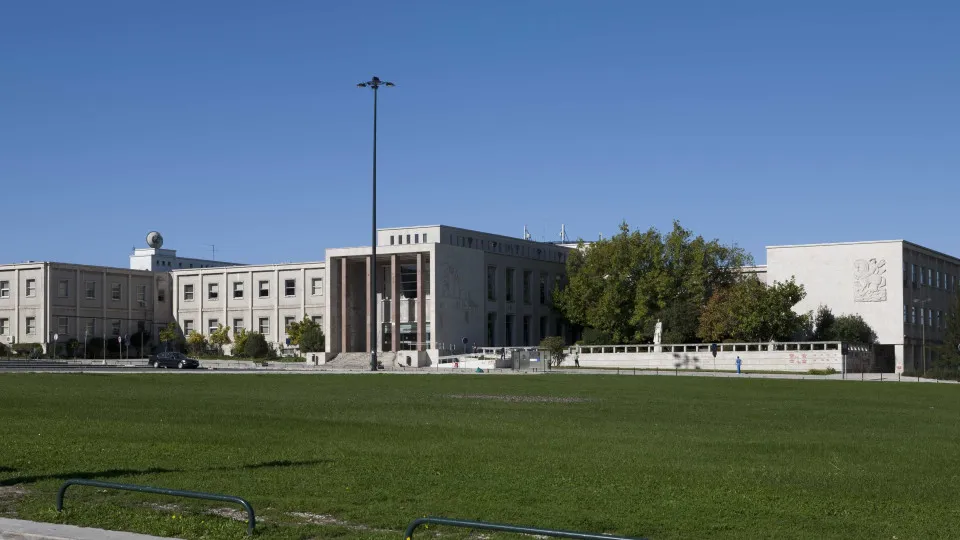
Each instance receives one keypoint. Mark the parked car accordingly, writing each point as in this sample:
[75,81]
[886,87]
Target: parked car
[172,360]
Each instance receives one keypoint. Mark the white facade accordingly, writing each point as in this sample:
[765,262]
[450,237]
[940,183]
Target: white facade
[166,260]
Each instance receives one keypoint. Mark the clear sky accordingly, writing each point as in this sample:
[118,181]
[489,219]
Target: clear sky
[239,124]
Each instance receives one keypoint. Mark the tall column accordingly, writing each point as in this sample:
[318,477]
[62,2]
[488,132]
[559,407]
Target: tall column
[343,305]
[421,305]
[394,304]
[371,316]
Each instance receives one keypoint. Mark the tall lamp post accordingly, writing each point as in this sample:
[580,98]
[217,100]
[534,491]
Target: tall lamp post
[374,83]
[923,331]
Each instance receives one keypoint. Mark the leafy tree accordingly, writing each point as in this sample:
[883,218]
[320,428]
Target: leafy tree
[949,355]
[170,334]
[592,336]
[220,337]
[240,342]
[312,339]
[621,286]
[853,329]
[750,310]
[197,342]
[296,329]
[823,325]
[4,350]
[256,346]
[556,349]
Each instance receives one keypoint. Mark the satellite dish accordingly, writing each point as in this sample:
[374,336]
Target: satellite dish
[154,240]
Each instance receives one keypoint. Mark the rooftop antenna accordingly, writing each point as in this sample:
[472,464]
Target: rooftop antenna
[213,251]
[526,233]
[563,233]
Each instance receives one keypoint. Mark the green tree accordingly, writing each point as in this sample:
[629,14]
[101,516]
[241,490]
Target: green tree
[312,339]
[220,337]
[256,346]
[170,334]
[556,349]
[296,329]
[240,342]
[621,286]
[823,325]
[750,310]
[853,329]
[197,342]
[949,354]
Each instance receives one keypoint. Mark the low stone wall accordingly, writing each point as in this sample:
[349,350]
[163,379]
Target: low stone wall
[798,361]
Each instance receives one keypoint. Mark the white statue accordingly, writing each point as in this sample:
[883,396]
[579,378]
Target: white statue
[658,333]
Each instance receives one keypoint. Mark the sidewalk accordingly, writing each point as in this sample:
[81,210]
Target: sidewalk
[18,529]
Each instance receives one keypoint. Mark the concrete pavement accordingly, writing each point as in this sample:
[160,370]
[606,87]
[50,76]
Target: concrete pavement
[18,529]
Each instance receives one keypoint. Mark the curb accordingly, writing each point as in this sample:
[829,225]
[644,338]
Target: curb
[18,529]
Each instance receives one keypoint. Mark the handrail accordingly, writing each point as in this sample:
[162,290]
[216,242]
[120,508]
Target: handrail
[506,528]
[251,521]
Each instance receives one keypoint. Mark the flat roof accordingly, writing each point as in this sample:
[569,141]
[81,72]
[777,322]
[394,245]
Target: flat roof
[913,245]
[242,267]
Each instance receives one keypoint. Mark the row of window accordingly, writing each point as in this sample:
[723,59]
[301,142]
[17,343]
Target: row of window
[518,250]
[63,327]
[416,239]
[509,321]
[63,290]
[928,317]
[263,289]
[263,325]
[929,277]
[30,286]
[170,264]
[526,284]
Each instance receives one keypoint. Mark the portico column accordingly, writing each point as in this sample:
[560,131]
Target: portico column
[394,305]
[421,304]
[371,317]
[343,305]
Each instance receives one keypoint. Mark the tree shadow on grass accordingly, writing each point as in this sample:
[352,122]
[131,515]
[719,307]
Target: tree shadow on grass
[114,473]
[7,469]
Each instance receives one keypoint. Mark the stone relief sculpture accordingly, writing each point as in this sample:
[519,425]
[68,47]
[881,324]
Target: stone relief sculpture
[870,285]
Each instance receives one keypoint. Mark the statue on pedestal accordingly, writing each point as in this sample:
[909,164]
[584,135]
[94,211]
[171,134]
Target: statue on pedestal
[658,333]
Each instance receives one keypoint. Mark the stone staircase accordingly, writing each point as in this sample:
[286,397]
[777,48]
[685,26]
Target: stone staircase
[361,360]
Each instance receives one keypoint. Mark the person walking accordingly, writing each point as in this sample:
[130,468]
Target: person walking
[738,365]
[576,359]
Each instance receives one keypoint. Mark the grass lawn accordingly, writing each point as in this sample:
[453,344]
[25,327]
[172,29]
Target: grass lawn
[359,456]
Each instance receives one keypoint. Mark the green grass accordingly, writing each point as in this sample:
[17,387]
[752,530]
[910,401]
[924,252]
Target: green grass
[661,457]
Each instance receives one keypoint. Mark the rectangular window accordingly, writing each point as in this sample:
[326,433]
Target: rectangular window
[543,288]
[115,327]
[4,289]
[4,326]
[508,322]
[509,284]
[188,292]
[391,240]
[929,317]
[316,286]
[90,329]
[913,273]
[187,327]
[31,287]
[416,239]
[264,288]
[63,288]
[287,321]
[904,313]
[237,326]
[408,238]
[238,289]
[290,287]
[400,239]
[212,325]
[63,325]
[115,292]
[142,295]
[31,325]
[213,291]
[543,328]
[930,277]
[424,238]
[527,275]
[161,295]
[491,284]
[264,325]
[491,328]
[318,319]
[913,314]
[526,330]
[939,317]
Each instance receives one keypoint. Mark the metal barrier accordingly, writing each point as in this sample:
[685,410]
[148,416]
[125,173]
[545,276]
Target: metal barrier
[507,528]
[251,522]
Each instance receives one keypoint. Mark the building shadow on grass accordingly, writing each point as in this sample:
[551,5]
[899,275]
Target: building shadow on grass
[115,473]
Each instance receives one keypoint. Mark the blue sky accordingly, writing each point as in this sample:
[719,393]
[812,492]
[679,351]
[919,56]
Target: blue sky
[238,123]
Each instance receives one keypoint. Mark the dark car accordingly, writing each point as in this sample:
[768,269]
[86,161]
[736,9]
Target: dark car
[172,360]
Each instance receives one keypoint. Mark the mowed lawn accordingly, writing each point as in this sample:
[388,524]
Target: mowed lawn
[359,456]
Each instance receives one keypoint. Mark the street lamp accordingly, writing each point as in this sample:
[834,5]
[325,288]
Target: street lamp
[374,83]
[923,331]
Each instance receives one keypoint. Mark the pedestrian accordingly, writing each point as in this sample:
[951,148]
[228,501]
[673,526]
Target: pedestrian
[576,359]
[738,364]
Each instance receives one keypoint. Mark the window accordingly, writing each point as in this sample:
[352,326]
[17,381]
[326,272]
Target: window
[213,291]
[4,289]
[491,283]
[526,330]
[31,325]
[391,240]
[526,286]
[904,313]
[939,317]
[63,288]
[31,287]
[543,328]
[508,321]
[188,292]
[408,238]
[238,289]
[317,286]
[287,321]
[913,273]
[929,317]
[264,325]
[491,328]
[264,289]
[161,295]
[289,287]
[913,314]
[509,284]
[4,326]
[930,277]
[212,325]
[115,327]
[187,327]
[400,239]
[424,238]
[90,329]
[237,326]
[142,295]
[115,292]
[543,288]
[63,325]
[318,319]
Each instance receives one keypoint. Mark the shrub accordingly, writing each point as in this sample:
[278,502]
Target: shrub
[30,350]
[312,339]
[828,371]
[4,350]
[256,346]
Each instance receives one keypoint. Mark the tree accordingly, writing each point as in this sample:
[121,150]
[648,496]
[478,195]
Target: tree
[621,286]
[556,349]
[312,339]
[949,354]
[296,329]
[853,329]
[197,342]
[240,342]
[823,325]
[256,346]
[170,334]
[220,337]
[750,310]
